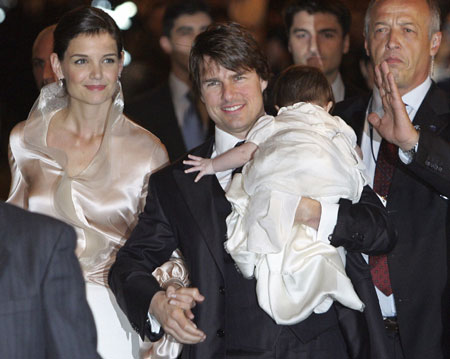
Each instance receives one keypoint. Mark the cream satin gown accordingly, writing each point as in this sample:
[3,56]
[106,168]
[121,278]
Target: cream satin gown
[102,203]
[304,151]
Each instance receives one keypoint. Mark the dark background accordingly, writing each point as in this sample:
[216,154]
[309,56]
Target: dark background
[26,18]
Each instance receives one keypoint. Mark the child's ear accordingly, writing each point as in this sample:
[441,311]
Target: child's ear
[329,106]
[277,108]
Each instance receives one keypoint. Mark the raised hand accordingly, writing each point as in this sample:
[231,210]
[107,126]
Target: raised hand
[395,125]
[203,165]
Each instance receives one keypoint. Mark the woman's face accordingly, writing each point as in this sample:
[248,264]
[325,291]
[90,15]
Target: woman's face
[91,67]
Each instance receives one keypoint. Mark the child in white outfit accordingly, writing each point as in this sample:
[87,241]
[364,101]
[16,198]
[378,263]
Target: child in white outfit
[303,151]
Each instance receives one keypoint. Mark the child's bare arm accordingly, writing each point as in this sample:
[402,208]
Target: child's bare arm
[233,158]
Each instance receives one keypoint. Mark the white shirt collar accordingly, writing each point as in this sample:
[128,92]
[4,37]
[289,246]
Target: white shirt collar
[338,88]
[224,141]
[413,98]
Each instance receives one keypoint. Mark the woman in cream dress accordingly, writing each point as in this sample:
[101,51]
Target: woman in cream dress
[79,159]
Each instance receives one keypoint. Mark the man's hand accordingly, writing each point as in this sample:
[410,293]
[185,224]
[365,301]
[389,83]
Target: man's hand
[172,309]
[395,125]
[203,165]
[308,213]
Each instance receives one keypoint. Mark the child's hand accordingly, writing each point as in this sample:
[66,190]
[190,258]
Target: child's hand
[203,165]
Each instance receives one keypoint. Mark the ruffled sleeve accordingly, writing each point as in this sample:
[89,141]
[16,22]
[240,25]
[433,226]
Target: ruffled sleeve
[18,194]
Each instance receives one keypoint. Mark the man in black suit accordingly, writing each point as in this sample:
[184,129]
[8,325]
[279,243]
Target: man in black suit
[230,73]
[318,35]
[43,313]
[401,37]
[167,110]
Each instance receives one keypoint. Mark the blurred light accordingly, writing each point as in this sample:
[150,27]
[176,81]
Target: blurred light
[126,58]
[102,4]
[122,14]
[128,9]
[2,15]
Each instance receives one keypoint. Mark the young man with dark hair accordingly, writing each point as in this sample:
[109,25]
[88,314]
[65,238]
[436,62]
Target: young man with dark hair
[170,111]
[318,35]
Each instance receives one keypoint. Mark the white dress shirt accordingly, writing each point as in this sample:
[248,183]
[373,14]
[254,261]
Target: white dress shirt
[338,88]
[413,100]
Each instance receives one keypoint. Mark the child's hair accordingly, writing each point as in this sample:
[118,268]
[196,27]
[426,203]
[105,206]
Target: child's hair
[299,83]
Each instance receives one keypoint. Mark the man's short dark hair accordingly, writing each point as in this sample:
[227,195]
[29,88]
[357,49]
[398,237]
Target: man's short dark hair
[299,83]
[177,8]
[334,7]
[230,46]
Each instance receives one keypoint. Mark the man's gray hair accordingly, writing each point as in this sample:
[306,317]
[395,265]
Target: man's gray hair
[435,21]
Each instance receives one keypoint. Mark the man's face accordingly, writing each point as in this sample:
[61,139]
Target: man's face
[40,59]
[399,34]
[317,40]
[178,44]
[233,99]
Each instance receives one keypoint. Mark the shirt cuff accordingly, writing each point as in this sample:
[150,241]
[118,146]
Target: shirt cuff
[328,220]
[155,327]
[407,156]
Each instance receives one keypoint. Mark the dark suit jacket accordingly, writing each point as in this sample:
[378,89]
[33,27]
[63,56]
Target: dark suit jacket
[43,309]
[418,206]
[155,111]
[191,216]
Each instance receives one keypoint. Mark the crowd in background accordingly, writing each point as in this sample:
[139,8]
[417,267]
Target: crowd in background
[149,66]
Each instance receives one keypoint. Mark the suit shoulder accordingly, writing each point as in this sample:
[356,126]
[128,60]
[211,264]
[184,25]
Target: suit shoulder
[352,104]
[38,228]
[204,150]
[158,97]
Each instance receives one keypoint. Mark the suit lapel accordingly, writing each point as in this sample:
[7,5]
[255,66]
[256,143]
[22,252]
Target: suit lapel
[431,112]
[201,199]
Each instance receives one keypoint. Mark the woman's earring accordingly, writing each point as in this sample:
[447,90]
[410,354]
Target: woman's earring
[61,82]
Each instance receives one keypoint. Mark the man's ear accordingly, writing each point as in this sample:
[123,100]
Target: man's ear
[165,44]
[56,66]
[366,46]
[435,43]
[263,84]
[346,45]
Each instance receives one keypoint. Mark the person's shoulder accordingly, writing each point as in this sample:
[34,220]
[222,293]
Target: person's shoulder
[152,97]
[203,150]
[17,131]
[439,96]
[355,103]
[25,224]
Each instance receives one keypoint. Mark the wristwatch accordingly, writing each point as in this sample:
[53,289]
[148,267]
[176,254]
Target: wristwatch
[412,152]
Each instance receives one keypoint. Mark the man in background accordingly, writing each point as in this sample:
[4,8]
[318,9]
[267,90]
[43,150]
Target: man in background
[171,111]
[318,35]
[40,57]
